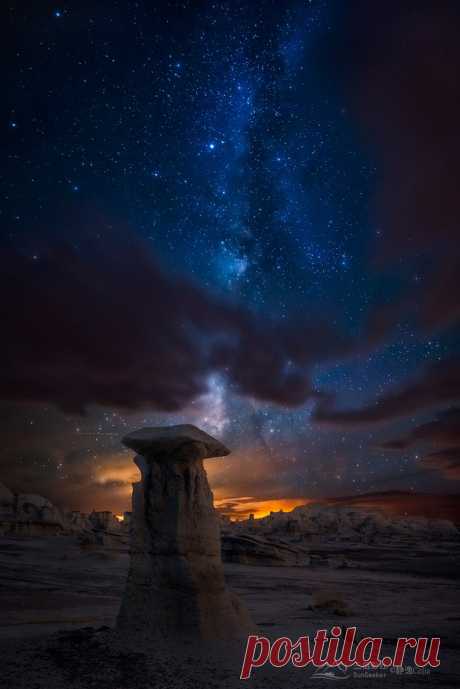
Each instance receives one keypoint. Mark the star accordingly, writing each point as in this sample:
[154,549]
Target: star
[227,153]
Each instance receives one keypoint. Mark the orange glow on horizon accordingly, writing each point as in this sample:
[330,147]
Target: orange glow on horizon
[114,478]
[242,507]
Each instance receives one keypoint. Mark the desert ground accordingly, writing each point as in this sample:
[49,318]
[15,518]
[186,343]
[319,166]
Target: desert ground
[59,600]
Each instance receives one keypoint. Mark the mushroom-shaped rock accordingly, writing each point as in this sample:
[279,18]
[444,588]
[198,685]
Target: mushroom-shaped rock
[175,586]
[187,441]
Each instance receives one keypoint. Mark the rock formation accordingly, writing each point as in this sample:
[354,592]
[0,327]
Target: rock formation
[30,515]
[104,521]
[36,508]
[78,522]
[331,523]
[175,585]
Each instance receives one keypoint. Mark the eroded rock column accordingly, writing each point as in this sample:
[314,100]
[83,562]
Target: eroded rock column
[175,586]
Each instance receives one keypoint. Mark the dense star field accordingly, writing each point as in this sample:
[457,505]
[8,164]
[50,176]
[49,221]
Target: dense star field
[242,215]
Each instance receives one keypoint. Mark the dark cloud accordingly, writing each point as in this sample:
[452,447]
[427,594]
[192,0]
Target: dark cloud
[83,477]
[446,461]
[443,431]
[104,324]
[401,62]
[439,384]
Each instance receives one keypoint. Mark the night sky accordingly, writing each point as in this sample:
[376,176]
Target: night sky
[241,215]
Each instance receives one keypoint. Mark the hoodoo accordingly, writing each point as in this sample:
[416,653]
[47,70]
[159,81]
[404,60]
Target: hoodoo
[175,586]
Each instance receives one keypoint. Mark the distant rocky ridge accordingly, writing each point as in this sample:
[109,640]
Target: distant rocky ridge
[290,538]
[27,514]
[282,538]
[342,523]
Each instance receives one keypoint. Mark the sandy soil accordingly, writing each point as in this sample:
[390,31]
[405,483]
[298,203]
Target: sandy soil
[59,601]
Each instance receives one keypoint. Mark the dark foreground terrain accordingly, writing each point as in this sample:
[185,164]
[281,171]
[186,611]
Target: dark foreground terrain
[59,601]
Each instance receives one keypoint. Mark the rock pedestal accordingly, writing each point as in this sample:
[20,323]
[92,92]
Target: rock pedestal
[175,586]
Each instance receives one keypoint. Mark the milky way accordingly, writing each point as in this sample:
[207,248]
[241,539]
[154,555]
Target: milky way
[229,141]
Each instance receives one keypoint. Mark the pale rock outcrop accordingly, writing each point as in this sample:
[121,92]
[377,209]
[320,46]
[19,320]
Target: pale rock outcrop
[35,508]
[28,514]
[175,586]
[332,523]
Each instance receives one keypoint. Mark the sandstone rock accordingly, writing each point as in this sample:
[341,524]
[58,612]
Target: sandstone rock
[31,507]
[329,523]
[29,515]
[104,521]
[175,585]
[188,441]
[78,522]
[36,515]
